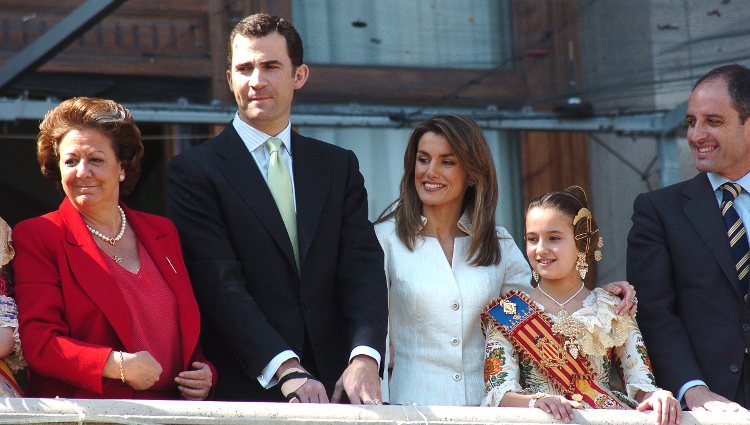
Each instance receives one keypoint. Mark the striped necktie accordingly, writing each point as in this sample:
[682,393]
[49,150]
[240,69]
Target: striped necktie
[280,185]
[736,233]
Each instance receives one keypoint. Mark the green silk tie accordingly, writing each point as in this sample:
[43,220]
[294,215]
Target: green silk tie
[280,185]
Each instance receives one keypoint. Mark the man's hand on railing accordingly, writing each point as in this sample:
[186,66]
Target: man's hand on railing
[195,384]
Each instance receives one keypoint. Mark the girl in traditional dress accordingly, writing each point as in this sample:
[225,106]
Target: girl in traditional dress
[554,347]
[11,359]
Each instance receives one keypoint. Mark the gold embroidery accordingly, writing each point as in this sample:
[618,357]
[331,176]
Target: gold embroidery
[509,307]
[552,353]
[603,401]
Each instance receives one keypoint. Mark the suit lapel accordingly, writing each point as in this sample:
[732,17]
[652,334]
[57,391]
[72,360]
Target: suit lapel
[702,210]
[311,182]
[92,273]
[239,166]
[160,245]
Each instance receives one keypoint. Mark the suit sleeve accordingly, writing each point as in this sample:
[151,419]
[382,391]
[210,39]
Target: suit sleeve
[361,277]
[650,270]
[216,273]
[47,342]
[197,355]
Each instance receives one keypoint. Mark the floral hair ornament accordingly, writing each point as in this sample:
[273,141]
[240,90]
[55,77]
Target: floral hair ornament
[585,214]
[587,235]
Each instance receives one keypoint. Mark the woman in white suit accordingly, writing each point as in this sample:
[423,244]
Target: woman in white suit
[445,259]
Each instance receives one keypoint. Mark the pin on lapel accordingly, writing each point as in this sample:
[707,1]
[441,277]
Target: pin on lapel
[170,265]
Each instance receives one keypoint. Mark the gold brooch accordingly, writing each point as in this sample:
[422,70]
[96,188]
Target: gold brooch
[573,330]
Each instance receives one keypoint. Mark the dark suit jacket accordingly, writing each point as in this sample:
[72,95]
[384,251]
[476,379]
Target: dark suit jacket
[71,312]
[691,311]
[253,301]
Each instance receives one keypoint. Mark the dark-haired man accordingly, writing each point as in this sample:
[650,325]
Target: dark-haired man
[688,254]
[284,262]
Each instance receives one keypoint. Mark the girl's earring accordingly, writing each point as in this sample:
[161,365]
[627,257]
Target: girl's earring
[122,177]
[598,252]
[535,275]
[582,266]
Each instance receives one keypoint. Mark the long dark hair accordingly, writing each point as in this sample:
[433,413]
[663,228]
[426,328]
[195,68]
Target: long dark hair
[471,150]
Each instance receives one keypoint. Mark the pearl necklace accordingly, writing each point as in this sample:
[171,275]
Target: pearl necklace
[111,241]
[562,312]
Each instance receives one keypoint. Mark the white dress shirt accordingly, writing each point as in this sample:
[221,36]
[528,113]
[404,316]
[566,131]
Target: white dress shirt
[255,141]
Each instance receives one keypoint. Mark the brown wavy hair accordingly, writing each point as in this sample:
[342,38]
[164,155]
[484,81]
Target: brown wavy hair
[106,116]
[471,150]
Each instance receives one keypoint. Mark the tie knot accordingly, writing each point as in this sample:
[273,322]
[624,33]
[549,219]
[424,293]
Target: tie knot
[731,190]
[274,144]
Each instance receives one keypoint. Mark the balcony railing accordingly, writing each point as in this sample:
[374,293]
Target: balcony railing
[72,411]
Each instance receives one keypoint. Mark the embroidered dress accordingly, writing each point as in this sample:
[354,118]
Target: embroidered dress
[434,309]
[14,361]
[607,340]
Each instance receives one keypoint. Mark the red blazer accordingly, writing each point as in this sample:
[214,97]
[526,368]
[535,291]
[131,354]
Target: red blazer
[71,312]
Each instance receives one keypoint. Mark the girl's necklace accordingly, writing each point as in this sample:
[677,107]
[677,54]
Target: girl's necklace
[562,312]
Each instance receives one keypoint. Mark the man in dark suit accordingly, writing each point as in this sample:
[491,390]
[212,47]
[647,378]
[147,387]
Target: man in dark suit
[690,275]
[284,262]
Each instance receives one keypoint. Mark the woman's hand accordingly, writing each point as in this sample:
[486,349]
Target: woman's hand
[195,384]
[626,291]
[141,369]
[558,406]
[666,408]
[7,342]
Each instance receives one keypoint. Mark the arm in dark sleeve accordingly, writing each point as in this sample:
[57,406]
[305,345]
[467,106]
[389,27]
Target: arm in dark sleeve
[361,277]
[650,270]
[216,273]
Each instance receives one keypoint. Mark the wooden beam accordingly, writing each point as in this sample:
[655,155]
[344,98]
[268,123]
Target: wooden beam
[55,39]
[329,83]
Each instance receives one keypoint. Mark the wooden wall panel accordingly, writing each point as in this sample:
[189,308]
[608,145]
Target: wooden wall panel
[131,41]
[553,161]
[218,23]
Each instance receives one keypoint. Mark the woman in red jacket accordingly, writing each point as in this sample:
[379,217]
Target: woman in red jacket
[105,303]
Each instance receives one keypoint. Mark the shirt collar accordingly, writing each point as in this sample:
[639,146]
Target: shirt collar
[464,223]
[254,138]
[717,180]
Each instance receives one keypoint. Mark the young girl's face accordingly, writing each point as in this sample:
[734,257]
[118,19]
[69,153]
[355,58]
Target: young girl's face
[550,244]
